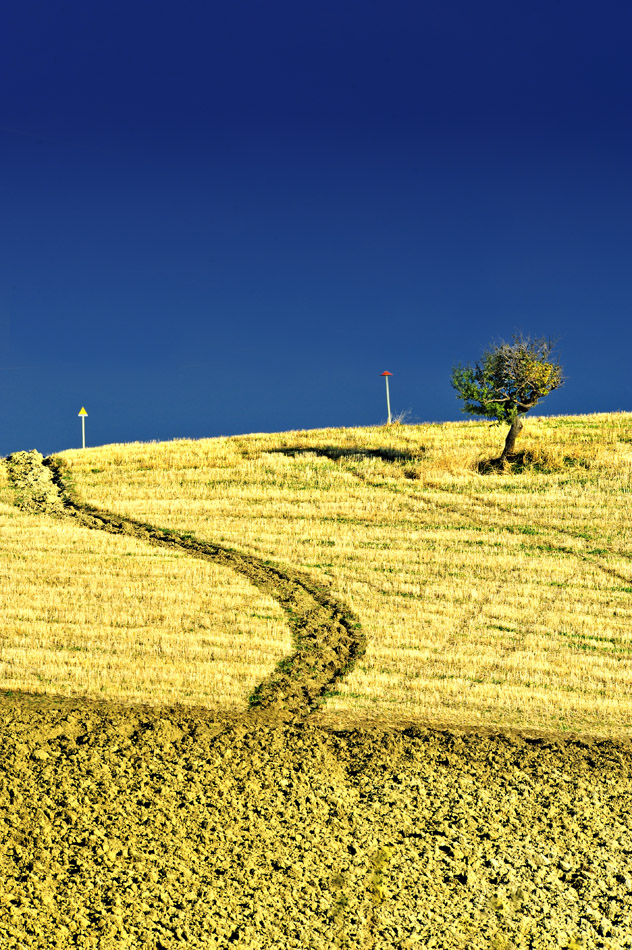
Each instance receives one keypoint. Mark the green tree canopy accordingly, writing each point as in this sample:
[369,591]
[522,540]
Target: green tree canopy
[509,379]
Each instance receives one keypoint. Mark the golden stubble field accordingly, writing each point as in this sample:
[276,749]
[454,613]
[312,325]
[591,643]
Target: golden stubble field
[499,599]
[83,613]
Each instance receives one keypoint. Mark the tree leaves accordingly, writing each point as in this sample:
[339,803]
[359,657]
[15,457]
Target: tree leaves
[509,379]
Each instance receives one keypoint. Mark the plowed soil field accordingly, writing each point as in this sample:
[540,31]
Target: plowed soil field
[139,827]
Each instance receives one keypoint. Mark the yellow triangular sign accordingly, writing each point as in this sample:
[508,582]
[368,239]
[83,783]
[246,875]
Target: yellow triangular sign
[83,412]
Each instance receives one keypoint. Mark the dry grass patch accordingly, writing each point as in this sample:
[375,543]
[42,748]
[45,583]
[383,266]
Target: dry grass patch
[84,613]
[502,598]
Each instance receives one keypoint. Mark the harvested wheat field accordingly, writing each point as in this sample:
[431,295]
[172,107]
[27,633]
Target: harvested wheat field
[336,688]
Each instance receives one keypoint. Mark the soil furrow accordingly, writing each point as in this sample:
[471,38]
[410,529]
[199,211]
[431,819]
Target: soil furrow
[327,638]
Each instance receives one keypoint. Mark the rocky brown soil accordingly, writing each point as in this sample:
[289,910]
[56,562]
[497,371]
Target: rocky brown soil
[139,827]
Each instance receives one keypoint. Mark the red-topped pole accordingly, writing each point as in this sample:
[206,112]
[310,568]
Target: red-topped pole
[386,374]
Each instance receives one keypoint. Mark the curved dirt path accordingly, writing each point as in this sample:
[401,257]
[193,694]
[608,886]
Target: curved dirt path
[327,638]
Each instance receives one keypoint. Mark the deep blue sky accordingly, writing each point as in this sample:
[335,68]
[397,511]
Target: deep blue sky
[222,218]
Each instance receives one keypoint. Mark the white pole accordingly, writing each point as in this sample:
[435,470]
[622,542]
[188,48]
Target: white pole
[83,415]
[388,401]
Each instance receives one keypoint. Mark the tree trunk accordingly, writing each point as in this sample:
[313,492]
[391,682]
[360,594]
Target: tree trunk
[510,441]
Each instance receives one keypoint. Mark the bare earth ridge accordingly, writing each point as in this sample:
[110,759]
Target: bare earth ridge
[328,639]
[144,827]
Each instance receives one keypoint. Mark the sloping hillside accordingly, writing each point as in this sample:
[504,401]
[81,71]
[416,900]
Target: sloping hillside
[147,590]
[497,598]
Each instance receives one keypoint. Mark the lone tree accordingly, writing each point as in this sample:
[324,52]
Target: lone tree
[509,380]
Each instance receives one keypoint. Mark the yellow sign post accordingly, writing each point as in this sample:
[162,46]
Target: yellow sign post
[83,415]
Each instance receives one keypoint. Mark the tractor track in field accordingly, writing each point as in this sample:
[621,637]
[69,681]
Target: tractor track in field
[327,637]
[477,517]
